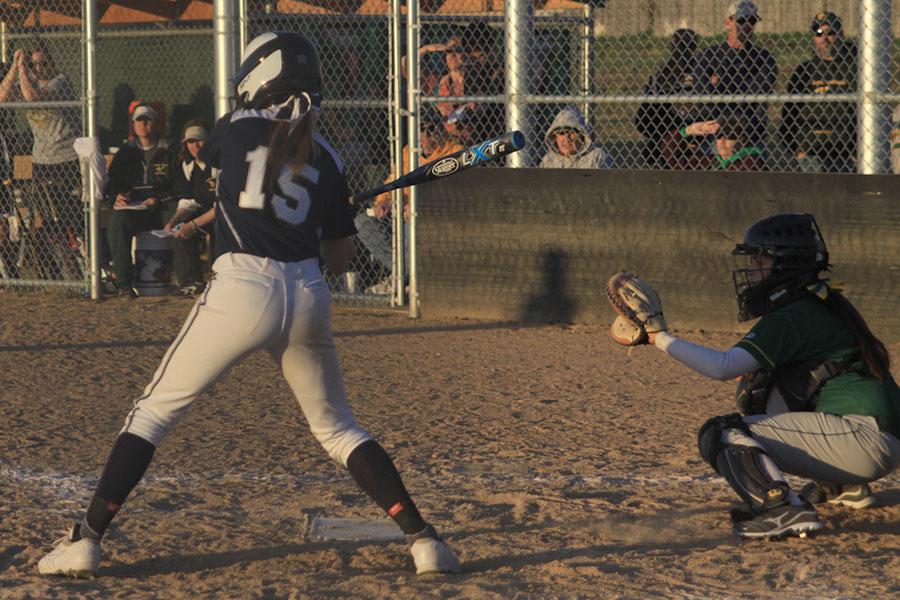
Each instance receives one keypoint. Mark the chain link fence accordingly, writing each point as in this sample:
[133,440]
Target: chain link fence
[42,221]
[780,85]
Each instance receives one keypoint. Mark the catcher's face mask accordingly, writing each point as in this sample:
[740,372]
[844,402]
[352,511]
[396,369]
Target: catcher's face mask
[752,268]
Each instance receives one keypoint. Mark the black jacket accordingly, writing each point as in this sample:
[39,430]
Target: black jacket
[822,128]
[195,182]
[655,120]
[723,70]
[129,171]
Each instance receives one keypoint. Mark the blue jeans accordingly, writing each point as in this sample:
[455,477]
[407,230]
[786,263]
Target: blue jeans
[376,236]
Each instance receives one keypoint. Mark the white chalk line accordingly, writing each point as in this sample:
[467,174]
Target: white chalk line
[77,488]
[65,485]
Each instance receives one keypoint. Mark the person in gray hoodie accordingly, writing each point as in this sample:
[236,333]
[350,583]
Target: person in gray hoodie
[570,144]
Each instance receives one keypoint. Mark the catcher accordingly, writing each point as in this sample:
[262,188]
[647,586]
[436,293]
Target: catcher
[816,398]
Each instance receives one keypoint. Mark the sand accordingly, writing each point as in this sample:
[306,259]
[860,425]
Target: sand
[558,465]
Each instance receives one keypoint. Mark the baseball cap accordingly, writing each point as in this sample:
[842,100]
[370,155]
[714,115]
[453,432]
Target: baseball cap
[826,18]
[743,10]
[143,111]
[194,132]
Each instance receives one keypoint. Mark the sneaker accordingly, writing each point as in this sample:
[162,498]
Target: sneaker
[854,496]
[780,522]
[126,291]
[188,291]
[72,556]
[431,554]
[382,288]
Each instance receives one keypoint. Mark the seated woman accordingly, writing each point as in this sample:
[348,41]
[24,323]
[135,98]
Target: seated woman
[140,187]
[570,144]
[817,399]
[195,187]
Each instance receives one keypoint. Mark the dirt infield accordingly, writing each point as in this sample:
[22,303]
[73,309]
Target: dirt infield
[553,471]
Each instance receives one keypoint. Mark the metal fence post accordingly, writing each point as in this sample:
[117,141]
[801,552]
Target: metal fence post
[587,57]
[225,52]
[874,74]
[412,125]
[89,26]
[241,28]
[518,34]
[399,293]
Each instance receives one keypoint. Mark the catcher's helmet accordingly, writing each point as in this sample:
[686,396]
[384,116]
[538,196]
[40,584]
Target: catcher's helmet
[275,66]
[795,245]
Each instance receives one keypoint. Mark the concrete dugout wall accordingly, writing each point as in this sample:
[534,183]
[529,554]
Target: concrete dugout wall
[538,245]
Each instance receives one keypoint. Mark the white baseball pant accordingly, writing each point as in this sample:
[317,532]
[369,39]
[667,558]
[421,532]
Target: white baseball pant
[253,302]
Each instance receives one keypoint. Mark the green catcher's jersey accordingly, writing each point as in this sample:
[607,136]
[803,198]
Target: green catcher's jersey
[808,330]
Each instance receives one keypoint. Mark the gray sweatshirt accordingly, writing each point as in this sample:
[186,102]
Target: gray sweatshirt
[590,155]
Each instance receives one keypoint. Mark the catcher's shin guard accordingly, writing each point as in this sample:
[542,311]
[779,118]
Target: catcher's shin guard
[740,466]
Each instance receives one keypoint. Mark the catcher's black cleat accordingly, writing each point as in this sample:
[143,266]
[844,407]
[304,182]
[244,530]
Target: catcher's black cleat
[741,513]
[780,522]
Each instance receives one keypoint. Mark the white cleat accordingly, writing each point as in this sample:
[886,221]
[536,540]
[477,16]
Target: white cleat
[854,496]
[72,558]
[433,555]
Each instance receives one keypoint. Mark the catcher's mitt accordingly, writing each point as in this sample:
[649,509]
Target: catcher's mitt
[639,308]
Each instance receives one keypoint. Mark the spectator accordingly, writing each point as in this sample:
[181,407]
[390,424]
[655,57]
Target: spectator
[736,66]
[822,136]
[570,144]
[194,185]
[454,84]
[429,72]
[676,76]
[140,188]
[33,78]
[729,150]
[734,148]
[472,70]
[374,229]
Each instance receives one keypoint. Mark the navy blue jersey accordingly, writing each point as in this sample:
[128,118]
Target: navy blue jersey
[289,224]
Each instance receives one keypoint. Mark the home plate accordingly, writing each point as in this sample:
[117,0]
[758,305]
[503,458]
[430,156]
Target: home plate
[354,530]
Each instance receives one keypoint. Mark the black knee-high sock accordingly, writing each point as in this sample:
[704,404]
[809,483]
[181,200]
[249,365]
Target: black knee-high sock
[374,472]
[127,463]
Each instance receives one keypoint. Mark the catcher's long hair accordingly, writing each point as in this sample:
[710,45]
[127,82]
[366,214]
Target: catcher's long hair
[873,350]
[289,148]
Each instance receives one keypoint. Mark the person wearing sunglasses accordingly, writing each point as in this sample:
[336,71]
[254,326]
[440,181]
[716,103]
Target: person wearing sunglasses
[822,136]
[33,77]
[570,144]
[737,66]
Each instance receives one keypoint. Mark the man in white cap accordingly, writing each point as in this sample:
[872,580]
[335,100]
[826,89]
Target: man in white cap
[822,136]
[736,66]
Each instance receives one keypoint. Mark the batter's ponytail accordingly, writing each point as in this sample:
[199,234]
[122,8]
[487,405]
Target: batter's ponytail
[870,347]
[289,148]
